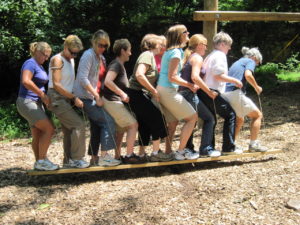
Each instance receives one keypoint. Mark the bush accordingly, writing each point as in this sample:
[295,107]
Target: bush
[12,125]
[266,75]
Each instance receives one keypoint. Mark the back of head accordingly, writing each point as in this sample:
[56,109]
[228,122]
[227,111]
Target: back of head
[100,35]
[173,36]
[222,37]
[252,52]
[72,42]
[39,46]
[150,41]
[119,45]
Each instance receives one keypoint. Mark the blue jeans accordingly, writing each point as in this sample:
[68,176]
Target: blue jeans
[207,137]
[102,127]
[222,108]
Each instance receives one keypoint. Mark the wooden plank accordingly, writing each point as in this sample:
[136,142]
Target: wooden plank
[152,164]
[245,16]
[210,27]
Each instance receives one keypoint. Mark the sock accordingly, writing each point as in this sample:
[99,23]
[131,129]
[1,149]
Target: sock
[252,142]
[128,155]
[155,152]
[181,152]
[142,155]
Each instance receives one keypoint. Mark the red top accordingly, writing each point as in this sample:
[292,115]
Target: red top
[102,73]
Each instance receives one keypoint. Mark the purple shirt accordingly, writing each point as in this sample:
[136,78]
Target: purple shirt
[39,78]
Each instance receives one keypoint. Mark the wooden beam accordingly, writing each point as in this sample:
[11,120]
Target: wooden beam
[245,16]
[151,164]
[210,27]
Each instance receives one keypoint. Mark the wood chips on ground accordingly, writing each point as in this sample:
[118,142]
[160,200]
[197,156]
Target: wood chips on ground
[246,191]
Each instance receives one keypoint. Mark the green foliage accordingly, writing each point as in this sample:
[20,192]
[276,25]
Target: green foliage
[266,75]
[289,76]
[292,64]
[12,125]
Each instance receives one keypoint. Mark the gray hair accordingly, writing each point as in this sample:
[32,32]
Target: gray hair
[222,37]
[252,52]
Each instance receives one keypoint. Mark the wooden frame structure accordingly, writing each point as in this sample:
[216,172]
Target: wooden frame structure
[211,15]
[152,164]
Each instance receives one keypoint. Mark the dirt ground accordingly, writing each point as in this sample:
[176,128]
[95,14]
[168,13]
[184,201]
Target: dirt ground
[246,191]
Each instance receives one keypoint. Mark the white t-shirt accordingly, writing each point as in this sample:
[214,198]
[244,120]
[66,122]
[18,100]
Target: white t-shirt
[215,64]
[67,74]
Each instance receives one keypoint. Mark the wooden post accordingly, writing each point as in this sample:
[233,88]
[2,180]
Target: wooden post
[210,27]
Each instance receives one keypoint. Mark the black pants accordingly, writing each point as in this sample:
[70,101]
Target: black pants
[150,119]
[221,107]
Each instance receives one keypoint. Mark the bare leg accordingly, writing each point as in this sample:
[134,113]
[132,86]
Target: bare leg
[238,126]
[119,139]
[35,141]
[46,132]
[169,139]
[187,130]
[156,144]
[131,137]
[256,117]
[141,150]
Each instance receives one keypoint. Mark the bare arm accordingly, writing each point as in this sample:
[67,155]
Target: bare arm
[174,78]
[196,63]
[142,79]
[251,80]
[109,82]
[30,85]
[224,78]
[56,66]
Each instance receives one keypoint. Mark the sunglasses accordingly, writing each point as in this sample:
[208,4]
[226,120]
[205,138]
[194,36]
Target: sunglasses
[185,32]
[45,55]
[73,53]
[103,46]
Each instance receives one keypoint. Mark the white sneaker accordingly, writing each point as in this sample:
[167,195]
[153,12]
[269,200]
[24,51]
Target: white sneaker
[257,147]
[179,156]
[45,164]
[108,160]
[190,154]
[235,151]
[80,164]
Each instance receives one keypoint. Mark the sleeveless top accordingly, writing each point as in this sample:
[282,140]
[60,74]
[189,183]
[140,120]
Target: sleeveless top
[67,73]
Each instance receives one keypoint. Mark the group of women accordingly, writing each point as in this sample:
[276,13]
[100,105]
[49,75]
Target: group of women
[167,86]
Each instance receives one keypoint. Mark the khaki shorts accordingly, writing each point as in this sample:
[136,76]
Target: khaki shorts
[123,118]
[241,104]
[31,110]
[175,103]
[167,114]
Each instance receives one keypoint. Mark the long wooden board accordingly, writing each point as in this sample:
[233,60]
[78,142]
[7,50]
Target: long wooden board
[152,164]
[245,16]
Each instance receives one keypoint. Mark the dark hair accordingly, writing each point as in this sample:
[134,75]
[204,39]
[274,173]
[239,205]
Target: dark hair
[119,45]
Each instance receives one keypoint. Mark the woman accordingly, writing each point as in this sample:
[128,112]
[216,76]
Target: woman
[158,56]
[115,98]
[169,79]
[191,72]
[243,70]
[141,87]
[30,103]
[61,82]
[85,87]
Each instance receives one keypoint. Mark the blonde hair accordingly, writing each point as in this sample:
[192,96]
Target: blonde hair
[119,45]
[39,46]
[194,41]
[173,36]
[253,52]
[98,35]
[73,41]
[222,37]
[150,41]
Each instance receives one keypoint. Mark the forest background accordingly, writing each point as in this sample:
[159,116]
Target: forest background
[26,21]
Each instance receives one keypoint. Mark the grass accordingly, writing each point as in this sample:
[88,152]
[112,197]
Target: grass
[289,76]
